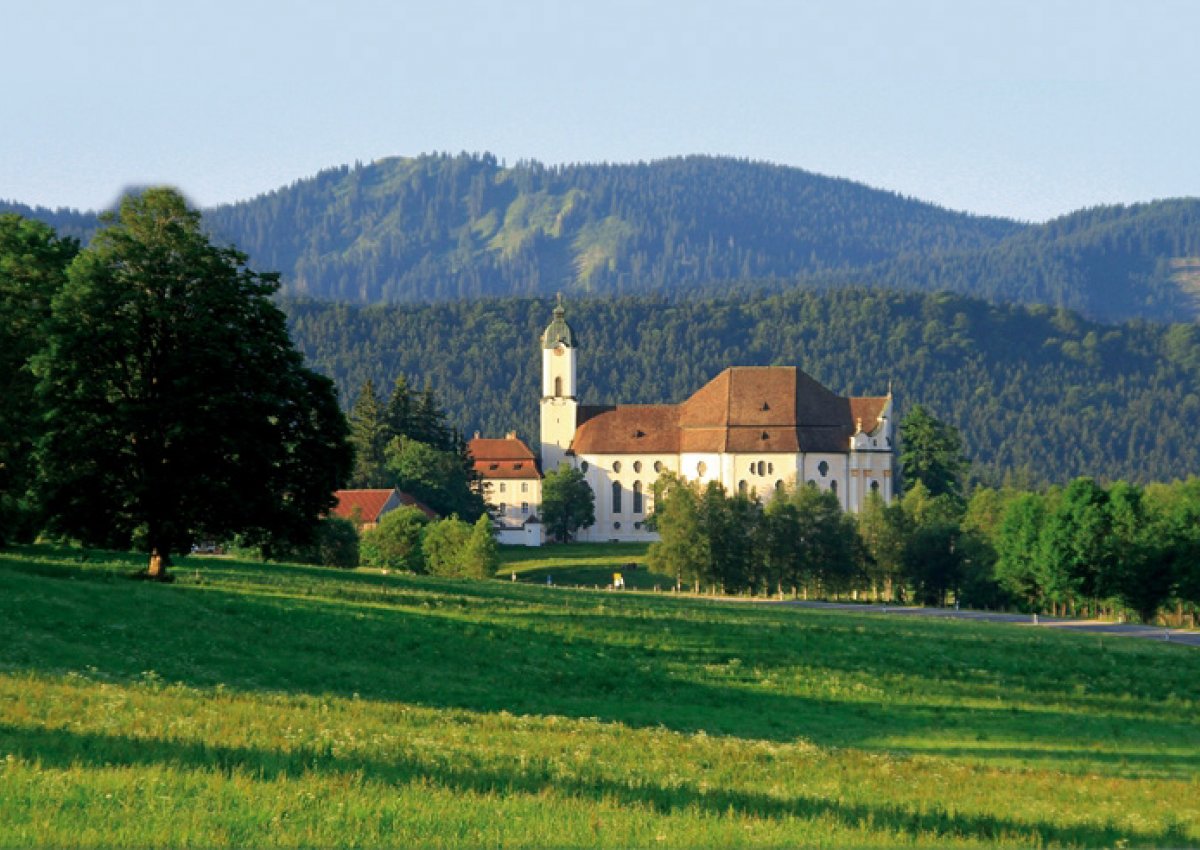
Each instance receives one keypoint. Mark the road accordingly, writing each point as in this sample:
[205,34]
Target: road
[1183,636]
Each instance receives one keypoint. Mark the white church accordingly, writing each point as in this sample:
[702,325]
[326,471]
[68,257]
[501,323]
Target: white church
[754,429]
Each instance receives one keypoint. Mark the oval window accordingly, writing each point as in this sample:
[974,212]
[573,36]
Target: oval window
[701,468]
[823,468]
[637,466]
[583,466]
[616,466]
[658,466]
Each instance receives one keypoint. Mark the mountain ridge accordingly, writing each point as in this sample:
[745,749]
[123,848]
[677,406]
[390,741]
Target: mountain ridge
[441,227]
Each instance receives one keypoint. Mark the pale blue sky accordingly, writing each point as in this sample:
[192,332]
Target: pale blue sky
[1026,109]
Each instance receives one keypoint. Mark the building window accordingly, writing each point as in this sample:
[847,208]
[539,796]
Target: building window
[583,466]
[823,468]
[770,468]
[637,497]
[617,526]
[833,486]
[503,508]
[502,486]
[779,487]
[616,466]
[616,497]
[742,487]
[874,486]
[524,486]
[701,468]
[637,466]
[812,483]
[762,467]
[638,526]
[525,508]
[558,386]
[658,466]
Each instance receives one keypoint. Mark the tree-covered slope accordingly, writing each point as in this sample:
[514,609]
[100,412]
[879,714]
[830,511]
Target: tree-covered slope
[1039,393]
[448,227]
[1108,262]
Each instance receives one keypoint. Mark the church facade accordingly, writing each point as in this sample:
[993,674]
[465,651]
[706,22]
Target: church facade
[753,429]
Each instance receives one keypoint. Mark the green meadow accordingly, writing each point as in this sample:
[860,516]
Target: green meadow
[289,706]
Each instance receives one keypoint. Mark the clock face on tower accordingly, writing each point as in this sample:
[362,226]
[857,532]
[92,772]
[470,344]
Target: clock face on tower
[559,349]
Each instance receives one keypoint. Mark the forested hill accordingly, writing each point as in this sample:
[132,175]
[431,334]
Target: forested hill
[449,227]
[1038,393]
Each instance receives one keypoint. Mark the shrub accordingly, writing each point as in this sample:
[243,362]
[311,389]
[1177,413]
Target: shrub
[444,545]
[395,543]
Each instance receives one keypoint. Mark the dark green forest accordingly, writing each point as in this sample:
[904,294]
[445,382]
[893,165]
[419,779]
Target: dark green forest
[442,227]
[1040,395]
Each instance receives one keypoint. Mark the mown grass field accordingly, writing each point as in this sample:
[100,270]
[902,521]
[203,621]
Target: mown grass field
[286,706]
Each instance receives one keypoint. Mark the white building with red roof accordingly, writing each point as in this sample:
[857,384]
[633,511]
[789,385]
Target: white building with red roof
[512,487]
[754,429]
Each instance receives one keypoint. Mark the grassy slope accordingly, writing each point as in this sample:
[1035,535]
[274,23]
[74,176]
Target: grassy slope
[293,706]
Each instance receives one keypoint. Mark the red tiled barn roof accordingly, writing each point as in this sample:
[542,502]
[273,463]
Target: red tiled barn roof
[367,504]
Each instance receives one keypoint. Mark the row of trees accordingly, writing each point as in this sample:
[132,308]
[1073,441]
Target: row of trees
[1082,548]
[406,539]
[152,395]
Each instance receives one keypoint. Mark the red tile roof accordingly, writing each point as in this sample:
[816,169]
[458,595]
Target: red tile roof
[507,458]
[368,505]
[770,409]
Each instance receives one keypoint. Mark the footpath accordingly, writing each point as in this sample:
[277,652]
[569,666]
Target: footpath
[1183,636]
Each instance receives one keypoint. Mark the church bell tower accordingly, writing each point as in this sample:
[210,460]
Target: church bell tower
[559,404]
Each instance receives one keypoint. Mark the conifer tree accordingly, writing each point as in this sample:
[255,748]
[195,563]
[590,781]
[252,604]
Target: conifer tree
[369,437]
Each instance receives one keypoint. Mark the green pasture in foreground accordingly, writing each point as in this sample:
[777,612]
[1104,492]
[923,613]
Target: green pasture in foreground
[251,705]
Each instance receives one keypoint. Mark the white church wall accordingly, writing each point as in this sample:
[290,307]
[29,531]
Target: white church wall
[625,470]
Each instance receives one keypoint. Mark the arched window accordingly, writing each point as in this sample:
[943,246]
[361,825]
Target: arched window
[779,487]
[583,466]
[874,486]
[637,466]
[616,466]
[658,466]
[833,486]
[616,497]
[637,497]
[558,385]
[823,468]
[762,467]
[742,487]
[701,468]
[770,467]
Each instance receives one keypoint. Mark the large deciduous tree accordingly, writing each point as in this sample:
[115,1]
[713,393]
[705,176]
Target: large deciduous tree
[33,263]
[175,404]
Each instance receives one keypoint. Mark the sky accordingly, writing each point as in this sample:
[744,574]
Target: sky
[1020,109]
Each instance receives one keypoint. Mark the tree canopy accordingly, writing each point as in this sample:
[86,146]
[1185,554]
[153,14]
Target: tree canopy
[33,264]
[175,405]
[568,503]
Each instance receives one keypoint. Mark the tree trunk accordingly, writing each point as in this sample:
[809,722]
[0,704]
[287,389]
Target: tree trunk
[160,559]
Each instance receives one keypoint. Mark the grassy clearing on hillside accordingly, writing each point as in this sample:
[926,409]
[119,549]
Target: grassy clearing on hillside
[252,705]
[582,565]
